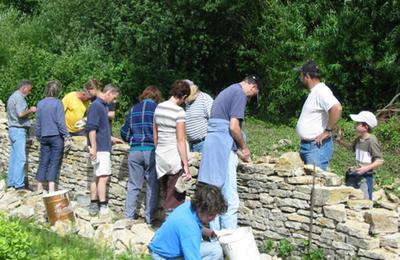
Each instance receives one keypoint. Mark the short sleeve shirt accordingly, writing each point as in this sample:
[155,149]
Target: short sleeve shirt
[197,115]
[166,115]
[314,114]
[17,104]
[75,109]
[367,150]
[230,103]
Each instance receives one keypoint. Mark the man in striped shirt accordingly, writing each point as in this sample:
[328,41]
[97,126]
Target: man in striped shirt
[198,110]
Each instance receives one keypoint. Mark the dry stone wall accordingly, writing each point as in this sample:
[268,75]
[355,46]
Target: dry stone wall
[275,196]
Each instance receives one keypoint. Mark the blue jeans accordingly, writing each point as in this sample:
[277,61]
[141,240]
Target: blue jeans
[16,164]
[208,251]
[51,154]
[320,155]
[364,182]
[229,191]
[142,166]
[198,147]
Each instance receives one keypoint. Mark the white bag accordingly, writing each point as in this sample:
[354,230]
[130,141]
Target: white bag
[238,244]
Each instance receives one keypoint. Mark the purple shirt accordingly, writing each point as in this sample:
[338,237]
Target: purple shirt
[230,103]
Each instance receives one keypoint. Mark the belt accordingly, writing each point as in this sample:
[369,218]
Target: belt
[197,141]
[303,141]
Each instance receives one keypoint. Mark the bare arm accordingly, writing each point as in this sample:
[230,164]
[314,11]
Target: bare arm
[27,112]
[367,168]
[93,145]
[334,115]
[182,149]
[236,132]
[155,133]
[111,115]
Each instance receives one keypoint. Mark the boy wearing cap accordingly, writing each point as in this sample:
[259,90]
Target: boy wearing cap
[319,115]
[368,153]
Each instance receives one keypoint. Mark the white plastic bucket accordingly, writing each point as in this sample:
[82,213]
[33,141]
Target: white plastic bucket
[239,244]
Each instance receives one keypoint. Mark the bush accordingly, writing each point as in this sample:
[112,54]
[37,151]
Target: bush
[389,131]
[285,248]
[14,240]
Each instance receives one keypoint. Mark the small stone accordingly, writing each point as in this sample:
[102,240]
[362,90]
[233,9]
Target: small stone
[103,235]
[370,243]
[300,180]
[325,222]
[83,200]
[23,212]
[335,212]
[123,224]
[382,221]
[344,246]
[360,204]
[379,253]
[123,239]
[393,198]
[296,203]
[392,240]
[85,228]
[389,205]
[379,195]
[265,198]
[331,195]
[288,163]
[354,228]
[293,225]
[298,218]
[82,213]
[356,194]
[64,227]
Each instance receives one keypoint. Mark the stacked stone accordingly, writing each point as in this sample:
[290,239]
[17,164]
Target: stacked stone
[276,201]
[4,143]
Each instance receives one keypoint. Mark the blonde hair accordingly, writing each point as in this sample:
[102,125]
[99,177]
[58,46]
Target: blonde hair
[194,91]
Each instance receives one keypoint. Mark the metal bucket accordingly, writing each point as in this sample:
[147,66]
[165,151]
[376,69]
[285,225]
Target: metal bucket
[58,207]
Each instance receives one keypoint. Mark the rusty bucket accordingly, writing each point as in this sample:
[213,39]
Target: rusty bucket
[58,207]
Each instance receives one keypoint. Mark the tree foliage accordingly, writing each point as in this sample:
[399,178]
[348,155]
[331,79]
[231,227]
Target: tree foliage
[213,42]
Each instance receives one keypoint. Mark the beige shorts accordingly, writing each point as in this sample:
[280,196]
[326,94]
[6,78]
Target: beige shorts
[102,165]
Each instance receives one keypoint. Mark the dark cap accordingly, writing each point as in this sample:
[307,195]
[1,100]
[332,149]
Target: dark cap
[310,67]
[254,79]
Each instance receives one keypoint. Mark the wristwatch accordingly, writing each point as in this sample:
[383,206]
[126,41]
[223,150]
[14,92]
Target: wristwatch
[328,130]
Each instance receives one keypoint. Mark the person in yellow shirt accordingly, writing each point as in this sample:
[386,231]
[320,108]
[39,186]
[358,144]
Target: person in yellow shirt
[75,106]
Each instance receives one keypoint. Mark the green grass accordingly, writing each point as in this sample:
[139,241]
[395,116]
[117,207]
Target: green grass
[263,137]
[47,245]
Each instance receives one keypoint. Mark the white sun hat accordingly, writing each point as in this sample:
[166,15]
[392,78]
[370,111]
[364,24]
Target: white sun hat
[365,117]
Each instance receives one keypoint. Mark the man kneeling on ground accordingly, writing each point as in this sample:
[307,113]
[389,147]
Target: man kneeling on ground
[180,237]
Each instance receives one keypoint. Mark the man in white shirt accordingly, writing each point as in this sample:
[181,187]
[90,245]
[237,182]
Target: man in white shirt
[319,115]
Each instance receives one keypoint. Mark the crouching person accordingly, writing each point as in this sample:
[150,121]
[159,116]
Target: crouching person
[180,237]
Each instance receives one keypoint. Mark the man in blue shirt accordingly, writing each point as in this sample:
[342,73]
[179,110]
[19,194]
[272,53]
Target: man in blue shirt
[18,125]
[100,142]
[180,237]
[218,166]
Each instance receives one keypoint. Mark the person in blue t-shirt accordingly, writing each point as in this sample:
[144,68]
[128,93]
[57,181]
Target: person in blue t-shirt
[218,166]
[180,237]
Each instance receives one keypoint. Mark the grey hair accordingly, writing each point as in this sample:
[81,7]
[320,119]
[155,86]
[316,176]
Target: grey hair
[53,88]
[23,83]
[112,88]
